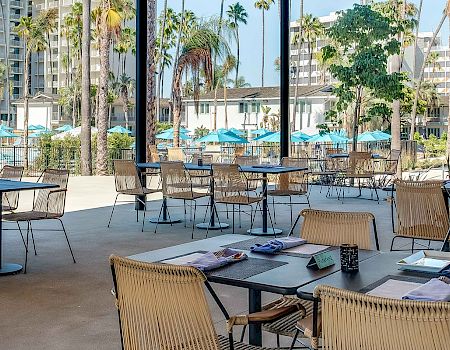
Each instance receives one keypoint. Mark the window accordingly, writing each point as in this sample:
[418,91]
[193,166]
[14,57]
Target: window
[204,108]
[243,107]
[256,107]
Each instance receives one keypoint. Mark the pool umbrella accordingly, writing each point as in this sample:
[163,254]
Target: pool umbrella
[38,134]
[275,137]
[168,135]
[261,131]
[367,137]
[73,132]
[33,127]
[301,135]
[182,130]
[328,138]
[4,133]
[63,128]
[237,132]
[221,137]
[118,129]
[4,127]
[382,136]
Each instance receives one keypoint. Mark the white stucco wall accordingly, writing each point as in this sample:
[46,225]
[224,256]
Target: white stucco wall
[41,115]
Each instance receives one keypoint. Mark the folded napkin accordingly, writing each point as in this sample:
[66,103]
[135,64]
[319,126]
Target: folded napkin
[433,290]
[276,245]
[210,261]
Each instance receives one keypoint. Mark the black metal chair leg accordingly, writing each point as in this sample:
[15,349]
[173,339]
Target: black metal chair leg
[21,235]
[143,218]
[274,212]
[67,239]
[32,238]
[193,221]
[112,212]
[159,216]
[297,332]
[26,250]
[243,333]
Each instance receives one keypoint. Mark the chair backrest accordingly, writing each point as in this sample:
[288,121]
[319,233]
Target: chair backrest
[11,199]
[421,210]
[353,320]
[335,228]
[162,306]
[360,163]
[333,151]
[126,176]
[206,158]
[239,151]
[395,154]
[52,200]
[228,181]
[246,160]
[175,178]
[296,180]
[175,154]
[153,155]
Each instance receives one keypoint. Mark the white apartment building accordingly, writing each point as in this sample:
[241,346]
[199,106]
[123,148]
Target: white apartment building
[11,53]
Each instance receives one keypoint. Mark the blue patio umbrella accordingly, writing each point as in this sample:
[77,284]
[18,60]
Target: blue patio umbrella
[261,131]
[118,129]
[168,135]
[275,137]
[38,134]
[367,137]
[302,135]
[381,135]
[237,132]
[328,138]
[221,137]
[64,128]
[4,133]
[4,127]
[182,130]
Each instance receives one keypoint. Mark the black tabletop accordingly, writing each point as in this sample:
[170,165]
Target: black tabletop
[371,270]
[12,185]
[284,279]
[258,169]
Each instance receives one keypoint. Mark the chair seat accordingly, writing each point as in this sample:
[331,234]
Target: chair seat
[305,325]
[286,325]
[286,192]
[224,344]
[188,195]
[239,199]
[30,216]
[138,192]
[359,176]
[8,208]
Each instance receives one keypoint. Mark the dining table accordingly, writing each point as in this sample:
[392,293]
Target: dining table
[12,186]
[281,274]
[262,169]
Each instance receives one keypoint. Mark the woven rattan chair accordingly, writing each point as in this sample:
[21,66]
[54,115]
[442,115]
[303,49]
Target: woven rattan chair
[128,183]
[386,171]
[327,228]
[232,187]
[352,320]
[291,184]
[178,184]
[164,307]
[48,204]
[153,157]
[421,212]
[253,179]
[10,200]
[175,154]
[201,178]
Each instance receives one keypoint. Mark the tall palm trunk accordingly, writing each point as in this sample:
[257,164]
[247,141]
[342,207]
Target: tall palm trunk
[161,62]
[225,103]
[125,107]
[238,55]
[297,73]
[151,66]
[102,142]
[215,108]
[8,96]
[26,96]
[414,64]
[263,47]
[180,34]
[177,104]
[85,136]
[422,69]
[309,62]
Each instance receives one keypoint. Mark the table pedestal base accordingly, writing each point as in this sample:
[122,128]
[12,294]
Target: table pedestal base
[10,269]
[208,226]
[261,232]
[164,221]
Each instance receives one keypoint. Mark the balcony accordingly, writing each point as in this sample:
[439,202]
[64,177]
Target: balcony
[53,4]
[14,16]
[17,83]
[17,4]
[54,44]
[17,70]
[15,43]
[16,57]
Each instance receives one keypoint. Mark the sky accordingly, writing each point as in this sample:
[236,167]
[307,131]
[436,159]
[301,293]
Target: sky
[251,38]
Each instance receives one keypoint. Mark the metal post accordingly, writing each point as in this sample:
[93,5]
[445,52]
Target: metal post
[284,78]
[141,86]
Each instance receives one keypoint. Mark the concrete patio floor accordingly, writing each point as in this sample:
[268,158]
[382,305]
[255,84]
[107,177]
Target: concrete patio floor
[61,305]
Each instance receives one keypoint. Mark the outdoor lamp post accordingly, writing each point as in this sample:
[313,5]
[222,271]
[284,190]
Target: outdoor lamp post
[284,78]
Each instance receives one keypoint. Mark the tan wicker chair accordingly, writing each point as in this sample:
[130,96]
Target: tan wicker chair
[387,169]
[10,200]
[253,179]
[153,157]
[232,187]
[291,184]
[201,178]
[327,228]
[164,307]
[48,204]
[421,211]
[175,154]
[353,321]
[128,183]
[178,184]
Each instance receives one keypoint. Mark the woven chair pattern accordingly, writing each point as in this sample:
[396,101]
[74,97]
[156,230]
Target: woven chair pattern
[153,155]
[335,228]
[176,181]
[201,178]
[353,320]
[175,154]
[206,158]
[360,164]
[294,182]
[10,200]
[246,160]
[421,210]
[162,307]
[127,178]
[52,201]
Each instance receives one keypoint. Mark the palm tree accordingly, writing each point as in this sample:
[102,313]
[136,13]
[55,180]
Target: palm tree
[8,96]
[125,86]
[161,61]
[85,135]
[237,15]
[311,29]
[297,71]
[433,62]
[49,24]
[197,54]
[263,5]
[109,21]
[125,43]
[241,83]
[230,63]
[151,73]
